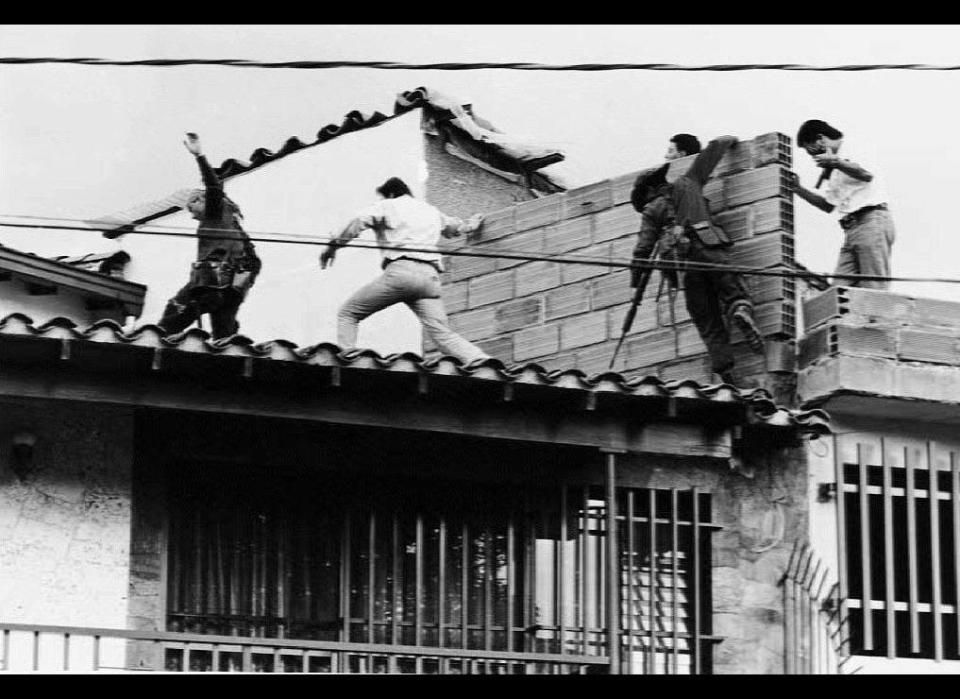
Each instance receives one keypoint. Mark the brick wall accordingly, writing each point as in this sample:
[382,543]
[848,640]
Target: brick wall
[881,343]
[567,316]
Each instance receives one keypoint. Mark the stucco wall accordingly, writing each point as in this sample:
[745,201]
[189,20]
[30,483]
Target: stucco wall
[16,298]
[459,188]
[65,529]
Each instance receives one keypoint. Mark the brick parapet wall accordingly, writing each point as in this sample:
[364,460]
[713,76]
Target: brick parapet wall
[566,316]
[881,324]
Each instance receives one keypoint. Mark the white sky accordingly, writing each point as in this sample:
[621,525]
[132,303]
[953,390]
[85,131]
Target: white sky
[79,141]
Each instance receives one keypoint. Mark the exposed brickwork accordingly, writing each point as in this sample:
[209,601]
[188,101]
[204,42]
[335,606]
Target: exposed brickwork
[569,235]
[537,276]
[490,288]
[870,323]
[586,329]
[517,314]
[536,342]
[566,300]
[579,308]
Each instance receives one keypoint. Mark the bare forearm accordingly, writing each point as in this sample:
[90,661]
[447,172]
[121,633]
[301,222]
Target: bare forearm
[858,172]
[813,198]
[350,231]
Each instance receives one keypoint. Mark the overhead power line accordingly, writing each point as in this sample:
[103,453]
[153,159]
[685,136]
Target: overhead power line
[499,253]
[492,65]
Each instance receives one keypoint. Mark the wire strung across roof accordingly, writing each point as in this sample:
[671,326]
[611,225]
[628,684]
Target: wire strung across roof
[491,65]
[500,253]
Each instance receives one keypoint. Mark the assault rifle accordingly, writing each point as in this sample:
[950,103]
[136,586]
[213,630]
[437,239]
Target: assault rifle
[637,298]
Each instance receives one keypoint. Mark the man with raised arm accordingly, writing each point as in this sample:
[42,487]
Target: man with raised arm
[411,229]
[226,265]
[857,196]
[678,212]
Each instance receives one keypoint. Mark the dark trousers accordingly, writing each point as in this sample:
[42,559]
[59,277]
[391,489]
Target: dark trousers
[192,301]
[711,297]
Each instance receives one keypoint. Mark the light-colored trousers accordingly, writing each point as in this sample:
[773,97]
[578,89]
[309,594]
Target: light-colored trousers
[416,284]
[866,250]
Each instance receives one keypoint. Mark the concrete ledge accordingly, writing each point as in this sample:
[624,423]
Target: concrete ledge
[883,386]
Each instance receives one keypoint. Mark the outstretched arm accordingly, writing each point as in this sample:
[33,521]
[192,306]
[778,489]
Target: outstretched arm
[808,196]
[211,183]
[356,226]
[709,157]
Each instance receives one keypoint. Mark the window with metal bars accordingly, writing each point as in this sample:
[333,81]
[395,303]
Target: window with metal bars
[452,565]
[900,551]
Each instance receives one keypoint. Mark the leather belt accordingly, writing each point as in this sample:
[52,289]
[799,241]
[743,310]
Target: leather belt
[855,216]
[387,261]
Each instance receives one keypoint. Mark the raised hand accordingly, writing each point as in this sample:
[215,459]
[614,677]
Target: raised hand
[192,143]
[825,159]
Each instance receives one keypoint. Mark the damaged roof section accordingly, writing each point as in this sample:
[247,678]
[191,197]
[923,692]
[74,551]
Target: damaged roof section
[104,347]
[96,276]
[465,135]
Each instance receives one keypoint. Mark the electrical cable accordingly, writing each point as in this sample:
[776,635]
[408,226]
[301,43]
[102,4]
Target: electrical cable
[400,65]
[466,251]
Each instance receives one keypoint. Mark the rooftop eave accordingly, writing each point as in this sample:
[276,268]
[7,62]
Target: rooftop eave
[33,268]
[554,399]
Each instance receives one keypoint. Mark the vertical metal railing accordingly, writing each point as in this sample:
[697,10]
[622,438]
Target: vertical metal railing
[574,569]
[815,636]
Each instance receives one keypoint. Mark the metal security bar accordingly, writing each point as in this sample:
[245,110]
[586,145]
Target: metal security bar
[815,634]
[28,647]
[899,536]
[521,571]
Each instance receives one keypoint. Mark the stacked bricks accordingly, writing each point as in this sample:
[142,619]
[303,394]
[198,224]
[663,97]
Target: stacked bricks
[872,323]
[563,315]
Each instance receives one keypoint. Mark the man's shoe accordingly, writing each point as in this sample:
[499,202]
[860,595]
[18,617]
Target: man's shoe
[744,320]
[726,377]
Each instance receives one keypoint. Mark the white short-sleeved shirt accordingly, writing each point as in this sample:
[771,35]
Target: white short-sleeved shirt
[407,222]
[848,194]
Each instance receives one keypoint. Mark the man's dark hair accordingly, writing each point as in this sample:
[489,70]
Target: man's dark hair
[811,129]
[393,188]
[646,184]
[686,142]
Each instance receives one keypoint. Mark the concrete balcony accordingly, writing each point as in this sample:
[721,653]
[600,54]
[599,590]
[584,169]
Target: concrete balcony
[876,353]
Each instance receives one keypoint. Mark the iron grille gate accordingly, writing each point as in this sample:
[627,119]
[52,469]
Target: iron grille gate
[476,568]
[899,545]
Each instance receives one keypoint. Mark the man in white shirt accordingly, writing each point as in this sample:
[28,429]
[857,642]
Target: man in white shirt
[411,275]
[858,198]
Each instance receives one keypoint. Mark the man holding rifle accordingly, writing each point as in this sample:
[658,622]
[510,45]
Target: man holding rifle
[676,220]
